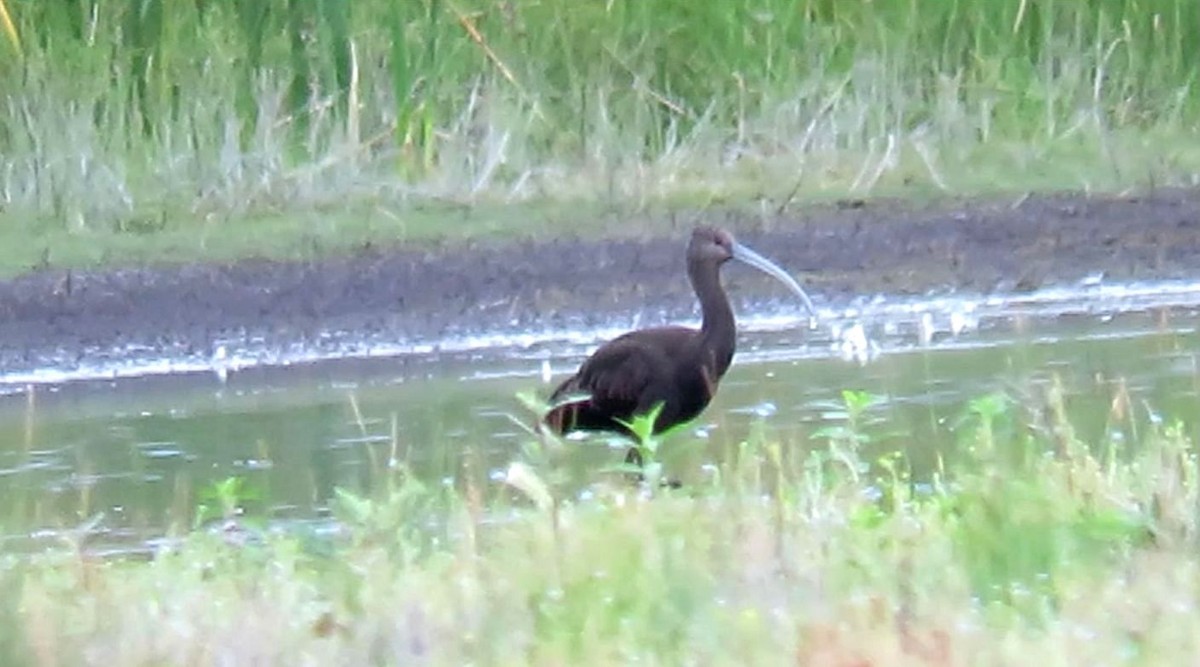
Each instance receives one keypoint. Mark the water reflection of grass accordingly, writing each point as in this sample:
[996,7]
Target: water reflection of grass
[1035,546]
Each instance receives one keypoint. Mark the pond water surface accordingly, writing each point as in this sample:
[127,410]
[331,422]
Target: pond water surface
[132,453]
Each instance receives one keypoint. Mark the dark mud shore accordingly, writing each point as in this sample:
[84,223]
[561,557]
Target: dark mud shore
[403,293]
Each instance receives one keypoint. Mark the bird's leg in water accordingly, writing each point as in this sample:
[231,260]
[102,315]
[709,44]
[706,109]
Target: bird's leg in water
[633,457]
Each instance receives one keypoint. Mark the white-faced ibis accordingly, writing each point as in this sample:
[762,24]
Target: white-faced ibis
[677,366]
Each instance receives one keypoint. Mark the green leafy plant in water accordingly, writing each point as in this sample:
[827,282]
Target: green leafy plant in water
[894,483]
[1015,534]
[983,418]
[224,499]
[540,473]
[856,404]
[1019,522]
[846,439]
[404,519]
[647,444]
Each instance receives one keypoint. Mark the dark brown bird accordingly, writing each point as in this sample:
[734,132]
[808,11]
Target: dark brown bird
[677,366]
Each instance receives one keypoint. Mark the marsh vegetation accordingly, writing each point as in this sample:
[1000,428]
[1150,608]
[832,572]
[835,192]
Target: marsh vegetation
[1004,520]
[156,130]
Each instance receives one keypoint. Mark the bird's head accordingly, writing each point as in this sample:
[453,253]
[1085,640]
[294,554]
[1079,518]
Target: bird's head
[711,245]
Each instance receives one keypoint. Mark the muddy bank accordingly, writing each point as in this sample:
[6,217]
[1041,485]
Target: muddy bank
[399,293]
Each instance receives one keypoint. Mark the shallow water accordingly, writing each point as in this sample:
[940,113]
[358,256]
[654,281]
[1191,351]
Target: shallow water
[135,445]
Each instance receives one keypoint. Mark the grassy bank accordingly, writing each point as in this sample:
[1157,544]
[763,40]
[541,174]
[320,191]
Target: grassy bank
[196,129]
[1032,546]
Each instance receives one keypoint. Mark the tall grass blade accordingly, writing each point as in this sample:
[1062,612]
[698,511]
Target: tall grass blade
[10,29]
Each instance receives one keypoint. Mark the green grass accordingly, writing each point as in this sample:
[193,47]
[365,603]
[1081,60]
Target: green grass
[153,130]
[1032,546]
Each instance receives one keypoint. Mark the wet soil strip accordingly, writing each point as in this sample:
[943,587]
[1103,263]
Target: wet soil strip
[406,293]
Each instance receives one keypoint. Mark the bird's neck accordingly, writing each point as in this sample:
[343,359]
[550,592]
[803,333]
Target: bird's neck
[717,330]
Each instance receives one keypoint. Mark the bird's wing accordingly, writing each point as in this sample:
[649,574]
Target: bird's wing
[619,373]
[622,378]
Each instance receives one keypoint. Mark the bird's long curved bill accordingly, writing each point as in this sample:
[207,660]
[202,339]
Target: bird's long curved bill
[744,254]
